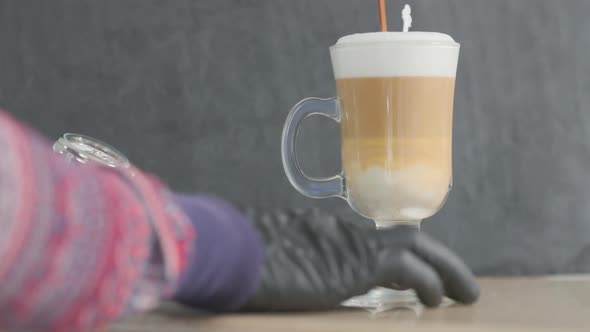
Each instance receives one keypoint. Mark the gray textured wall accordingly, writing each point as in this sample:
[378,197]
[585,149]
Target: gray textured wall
[197,91]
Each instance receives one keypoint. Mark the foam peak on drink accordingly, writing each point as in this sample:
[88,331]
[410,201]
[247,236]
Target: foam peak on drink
[396,92]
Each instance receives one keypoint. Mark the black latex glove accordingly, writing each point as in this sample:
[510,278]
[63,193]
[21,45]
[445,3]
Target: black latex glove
[315,261]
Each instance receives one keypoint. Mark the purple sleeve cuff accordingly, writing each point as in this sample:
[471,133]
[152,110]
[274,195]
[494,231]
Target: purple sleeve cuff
[224,270]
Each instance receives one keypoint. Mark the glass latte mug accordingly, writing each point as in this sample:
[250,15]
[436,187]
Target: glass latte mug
[395,110]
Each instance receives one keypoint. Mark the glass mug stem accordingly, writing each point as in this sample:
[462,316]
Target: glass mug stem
[312,187]
[385,224]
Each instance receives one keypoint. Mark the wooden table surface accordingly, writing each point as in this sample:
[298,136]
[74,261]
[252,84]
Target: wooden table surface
[560,303]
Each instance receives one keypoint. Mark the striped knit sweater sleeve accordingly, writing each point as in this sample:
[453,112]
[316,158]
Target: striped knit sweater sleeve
[83,246]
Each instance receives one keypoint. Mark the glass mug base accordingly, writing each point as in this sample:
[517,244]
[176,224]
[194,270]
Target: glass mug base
[380,298]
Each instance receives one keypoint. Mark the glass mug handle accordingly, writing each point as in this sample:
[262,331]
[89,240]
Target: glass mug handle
[312,187]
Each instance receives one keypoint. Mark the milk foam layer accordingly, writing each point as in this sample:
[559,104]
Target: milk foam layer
[390,54]
[414,37]
[412,193]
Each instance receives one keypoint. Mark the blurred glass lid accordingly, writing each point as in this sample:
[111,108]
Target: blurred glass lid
[85,149]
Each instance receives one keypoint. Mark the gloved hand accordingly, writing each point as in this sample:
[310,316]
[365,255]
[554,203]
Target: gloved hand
[315,261]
